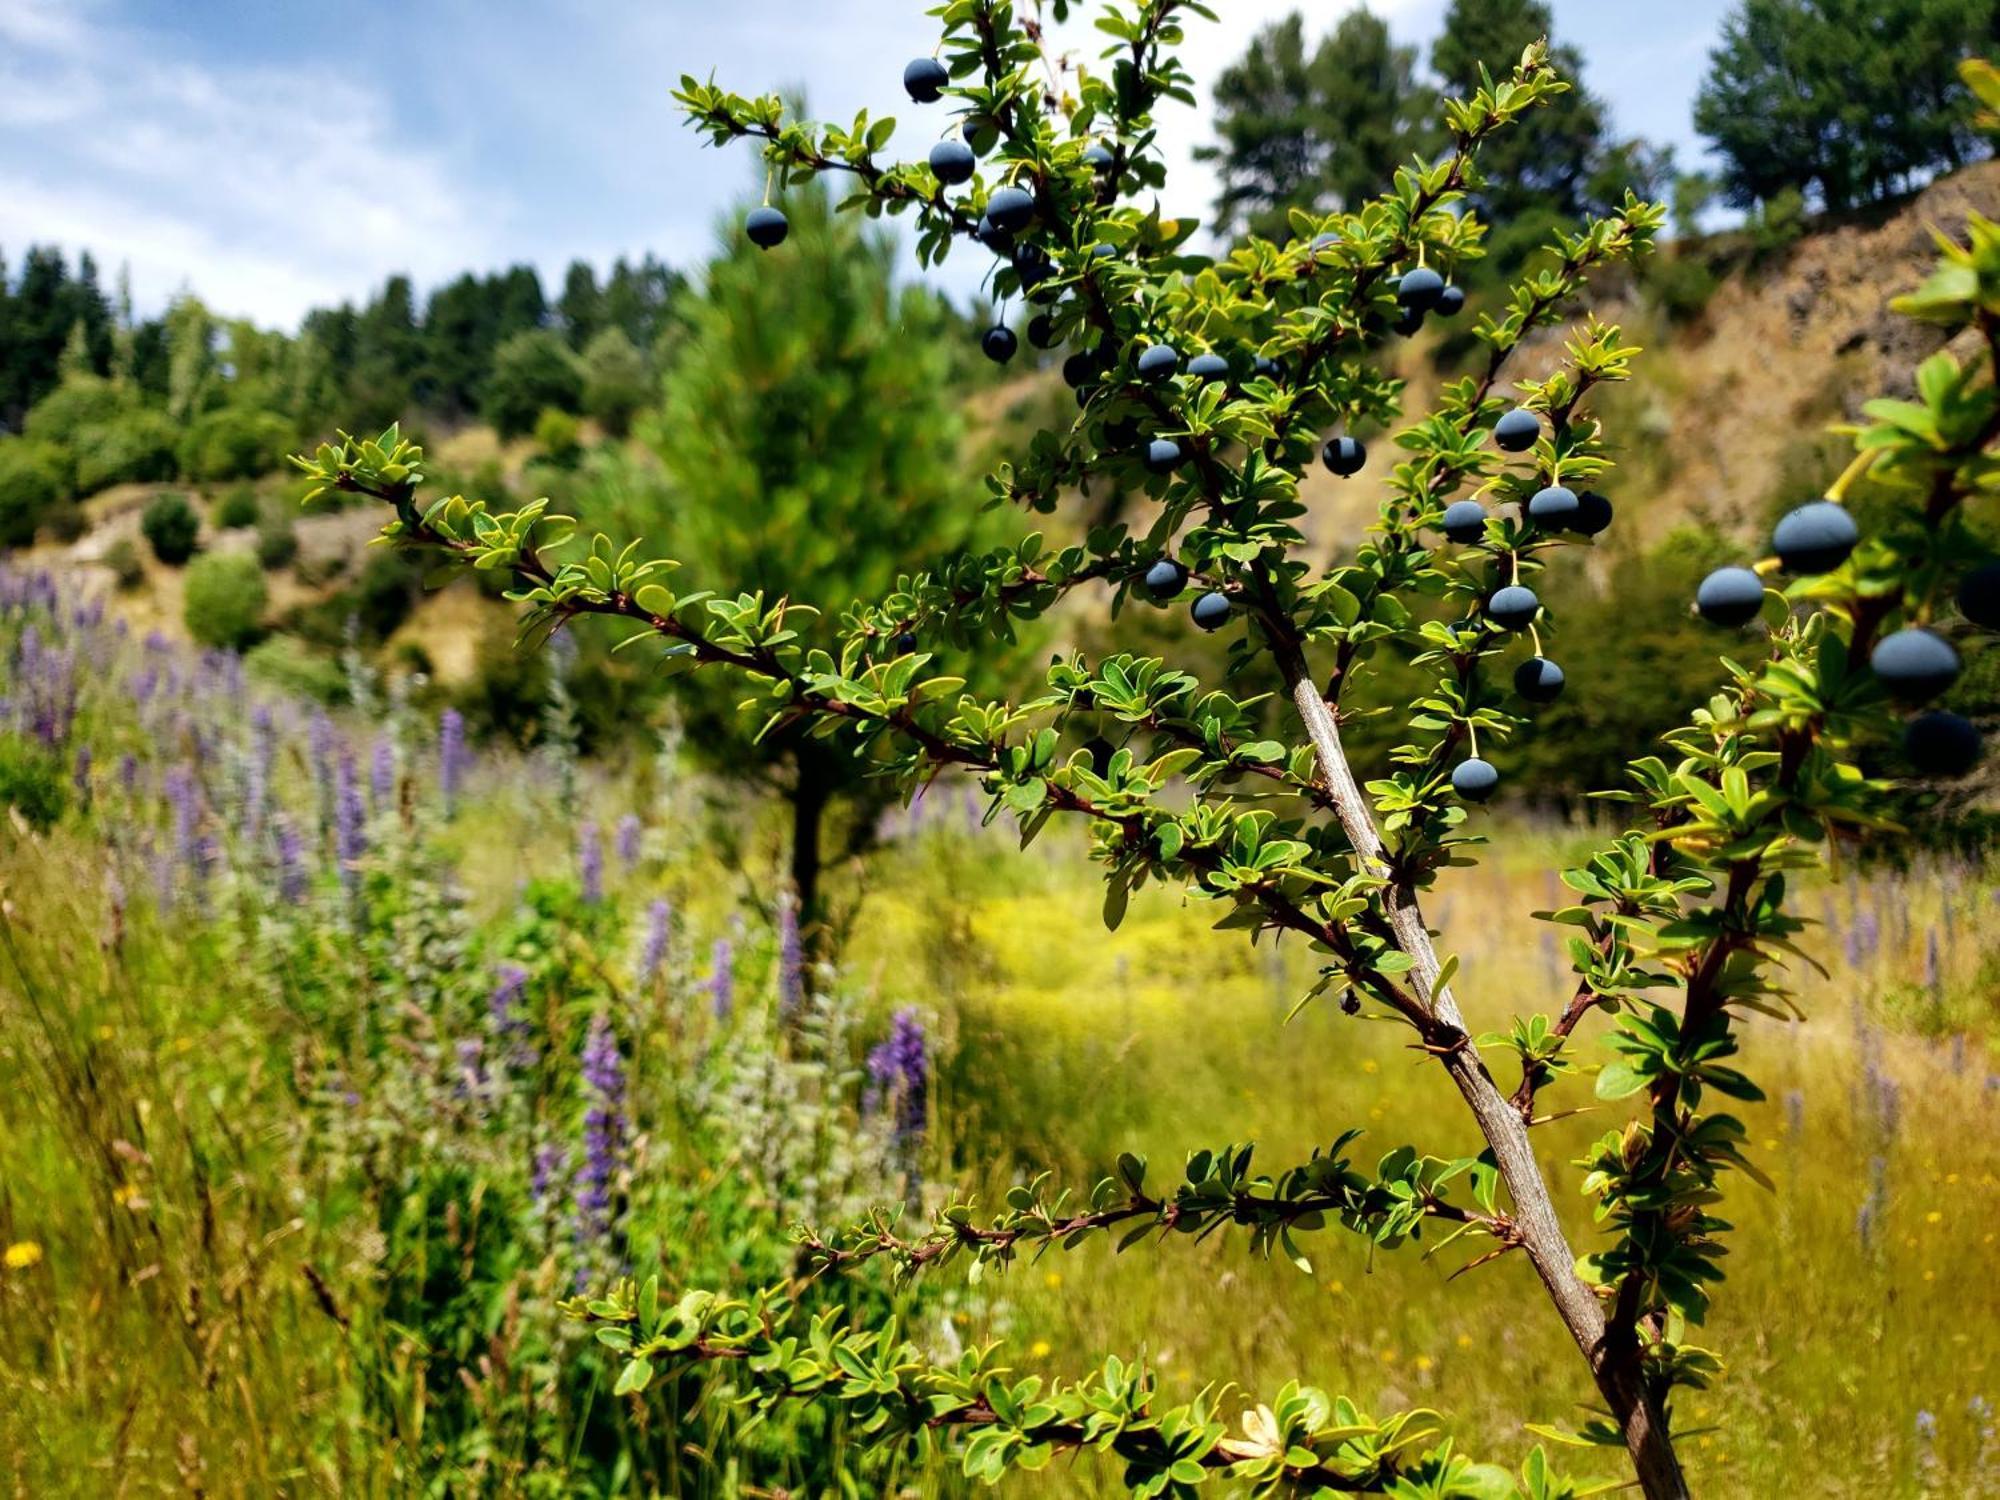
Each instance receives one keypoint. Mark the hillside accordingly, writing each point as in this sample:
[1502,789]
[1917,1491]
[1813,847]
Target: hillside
[1723,423]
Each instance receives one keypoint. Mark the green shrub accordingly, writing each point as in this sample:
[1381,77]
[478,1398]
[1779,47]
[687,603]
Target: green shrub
[234,443]
[531,371]
[172,528]
[136,448]
[31,483]
[615,382]
[237,509]
[288,664]
[80,403]
[560,437]
[1679,285]
[128,569]
[277,542]
[225,599]
[31,782]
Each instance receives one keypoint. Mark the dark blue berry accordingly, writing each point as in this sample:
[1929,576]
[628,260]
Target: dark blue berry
[1211,611]
[1730,596]
[1554,506]
[1163,455]
[1941,744]
[1344,455]
[1011,209]
[1209,366]
[953,162]
[1420,289]
[1979,596]
[766,227]
[1100,157]
[1465,521]
[993,237]
[1513,608]
[999,344]
[1593,514]
[1080,369]
[906,643]
[1409,321]
[1450,302]
[1267,368]
[1474,779]
[1815,538]
[1915,665]
[1539,680]
[1517,431]
[1158,362]
[1165,579]
[925,79]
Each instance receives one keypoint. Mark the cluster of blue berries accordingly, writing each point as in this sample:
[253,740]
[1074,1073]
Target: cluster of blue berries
[1914,665]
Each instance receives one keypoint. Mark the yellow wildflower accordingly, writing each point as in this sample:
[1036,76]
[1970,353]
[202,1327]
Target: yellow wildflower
[22,1255]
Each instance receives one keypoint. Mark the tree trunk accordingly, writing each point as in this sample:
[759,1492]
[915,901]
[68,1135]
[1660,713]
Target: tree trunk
[1614,1369]
[809,797]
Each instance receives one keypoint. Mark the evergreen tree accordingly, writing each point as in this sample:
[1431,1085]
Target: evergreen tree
[533,371]
[1321,131]
[811,452]
[615,380]
[581,306]
[1844,101]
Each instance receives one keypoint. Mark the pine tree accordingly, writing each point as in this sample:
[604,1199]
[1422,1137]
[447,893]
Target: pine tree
[1844,101]
[811,454]
[1316,132]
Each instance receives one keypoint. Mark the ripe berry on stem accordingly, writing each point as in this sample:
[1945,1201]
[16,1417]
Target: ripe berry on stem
[1941,744]
[1158,362]
[1730,596]
[1517,431]
[1211,611]
[766,226]
[1593,514]
[1165,579]
[1513,608]
[1344,455]
[1979,596]
[1011,209]
[1163,455]
[1915,665]
[999,344]
[1450,302]
[925,79]
[1420,289]
[1210,366]
[1464,521]
[1474,779]
[1539,680]
[1554,505]
[1815,538]
[952,162]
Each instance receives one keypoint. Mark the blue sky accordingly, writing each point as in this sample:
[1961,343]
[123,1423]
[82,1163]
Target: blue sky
[276,154]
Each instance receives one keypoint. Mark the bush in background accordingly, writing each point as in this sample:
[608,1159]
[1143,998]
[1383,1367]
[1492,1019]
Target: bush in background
[225,599]
[128,569]
[234,443]
[237,509]
[31,482]
[171,527]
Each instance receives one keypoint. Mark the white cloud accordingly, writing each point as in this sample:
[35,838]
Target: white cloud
[266,188]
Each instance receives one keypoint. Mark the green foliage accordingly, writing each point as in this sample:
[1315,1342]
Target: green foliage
[1681,920]
[277,542]
[233,442]
[139,447]
[31,484]
[237,508]
[1845,100]
[171,528]
[532,371]
[1315,132]
[128,569]
[31,782]
[80,403]
[286,663]
[560,437]
[616,382]
[45,309]
[225,599]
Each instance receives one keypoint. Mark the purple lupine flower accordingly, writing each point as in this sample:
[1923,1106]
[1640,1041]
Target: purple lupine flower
[508,1024]
[590,861]
[382,775]
[471,1055]
[128,774]
[791,957]
[653,952]
[291,862]
[722,979]
[350,823]
[179,790]
[320,743]
[551,1162]
[628,841]
[603,1071]
[899,1075]
[80,775]
[452,758]
[257,773]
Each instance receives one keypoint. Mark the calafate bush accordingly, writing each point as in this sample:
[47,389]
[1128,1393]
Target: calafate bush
[1211,384]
